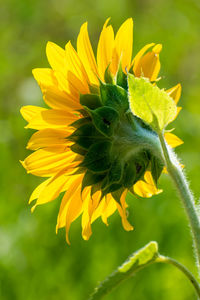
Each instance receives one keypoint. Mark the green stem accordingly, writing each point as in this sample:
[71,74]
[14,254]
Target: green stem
[169,260]
[176,173]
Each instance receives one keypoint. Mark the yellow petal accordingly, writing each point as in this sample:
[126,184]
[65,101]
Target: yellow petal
[46,162]
[105,49]
[48,118]
[89,205]
[147,188]
[67,83]
[86,54]
[123,47]
[178,109]
[122,211]
[44,77]
[173,140]
[56,57]
[149,64]
[56,80]
[76,69]
[72,185]
[175,92]
[74,210]
[108,209]
[37,191]
[52,189]
[138,56]
[48,138]
[57,99]
[98,212]
[29,112]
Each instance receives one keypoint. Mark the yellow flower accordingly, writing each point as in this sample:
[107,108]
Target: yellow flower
[79,145]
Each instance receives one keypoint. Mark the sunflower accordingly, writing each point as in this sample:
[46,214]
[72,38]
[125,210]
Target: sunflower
[86,143]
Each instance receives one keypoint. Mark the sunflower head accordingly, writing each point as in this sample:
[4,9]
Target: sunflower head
[89,144]
[116,147]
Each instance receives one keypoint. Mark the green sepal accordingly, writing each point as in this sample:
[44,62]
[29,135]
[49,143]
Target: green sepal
[140,167]
[95,188]
[122,78]
[114,175]
[129,175]
[83,112]
[94,89]
[115,172]
[134,169]
[111,189]
[77,149]
[156,168]
[78,123]
[85,135]
[91,178]
[114,96]
[108,77]
[117,194]
[105,119]
[98,157]
[79,171]
[92,101]
[77,158]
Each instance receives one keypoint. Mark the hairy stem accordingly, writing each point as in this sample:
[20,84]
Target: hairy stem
[176,173]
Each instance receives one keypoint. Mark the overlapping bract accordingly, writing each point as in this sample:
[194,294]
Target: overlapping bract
[57,156]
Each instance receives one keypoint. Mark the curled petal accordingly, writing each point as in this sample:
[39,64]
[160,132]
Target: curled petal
[122,211]
[149,65]
[147,188]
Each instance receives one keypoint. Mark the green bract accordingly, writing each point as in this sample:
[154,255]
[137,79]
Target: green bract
[117,146]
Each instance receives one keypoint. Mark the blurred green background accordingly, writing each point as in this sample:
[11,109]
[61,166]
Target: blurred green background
[35,263]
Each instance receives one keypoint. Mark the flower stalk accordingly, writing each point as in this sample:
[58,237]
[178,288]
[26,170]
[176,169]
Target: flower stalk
[177,175]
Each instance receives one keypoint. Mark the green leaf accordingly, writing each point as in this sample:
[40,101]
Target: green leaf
[105,119]
[114,96]
[151,104]
[91,101]
[140,258]
[98,157]
[137,261]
